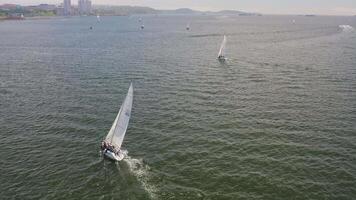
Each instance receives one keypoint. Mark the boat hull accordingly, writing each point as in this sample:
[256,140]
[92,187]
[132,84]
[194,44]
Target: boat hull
[116,157]
[222,59]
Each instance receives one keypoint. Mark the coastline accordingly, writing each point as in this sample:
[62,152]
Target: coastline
[31,18]
[43,17]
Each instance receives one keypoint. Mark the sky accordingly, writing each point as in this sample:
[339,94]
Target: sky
[319,7]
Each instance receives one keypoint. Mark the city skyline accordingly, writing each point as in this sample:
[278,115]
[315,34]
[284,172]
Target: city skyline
[319,7]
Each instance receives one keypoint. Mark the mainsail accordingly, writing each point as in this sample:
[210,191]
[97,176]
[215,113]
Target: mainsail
[117,132]
[222,48]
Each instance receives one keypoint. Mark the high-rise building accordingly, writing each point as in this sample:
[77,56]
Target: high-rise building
[84,7]
[89,6]
[81,7]
[67,7]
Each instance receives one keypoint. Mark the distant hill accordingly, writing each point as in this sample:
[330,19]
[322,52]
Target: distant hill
[192,12]
[182,11]
[230,12]
[236,12]
[123,10]
[132,10]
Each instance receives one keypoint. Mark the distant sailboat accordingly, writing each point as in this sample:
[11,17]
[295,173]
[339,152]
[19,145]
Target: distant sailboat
[140,19]
[98,18]
[142,26]
[221,55]
[346,28]
[111,146]
[188,27]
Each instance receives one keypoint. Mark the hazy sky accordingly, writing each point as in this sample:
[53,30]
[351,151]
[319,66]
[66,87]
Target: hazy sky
[328,7]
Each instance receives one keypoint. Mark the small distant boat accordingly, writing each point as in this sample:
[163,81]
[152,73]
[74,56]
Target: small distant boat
[142,26]
[346,28]
[293,21]
[98,18]
[188,27]
[111,146]
[140,19]
[221,55]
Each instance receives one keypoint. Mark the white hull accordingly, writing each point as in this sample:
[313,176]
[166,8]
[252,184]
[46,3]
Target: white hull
[116,157]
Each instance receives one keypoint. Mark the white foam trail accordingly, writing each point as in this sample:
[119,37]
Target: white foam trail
[141,171]
[346,28]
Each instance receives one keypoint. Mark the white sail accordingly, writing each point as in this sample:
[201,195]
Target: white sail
[222,48]
[117,132]
[98,18]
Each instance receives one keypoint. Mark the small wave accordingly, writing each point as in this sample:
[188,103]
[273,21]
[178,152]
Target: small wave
[346,28]
[141,171]
[206,35]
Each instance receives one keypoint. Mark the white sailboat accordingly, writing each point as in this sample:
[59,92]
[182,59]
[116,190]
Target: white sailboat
[221,55]
[98,18]
[111,146]
[188,27]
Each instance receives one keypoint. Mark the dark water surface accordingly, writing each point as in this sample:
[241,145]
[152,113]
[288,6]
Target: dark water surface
[277,121]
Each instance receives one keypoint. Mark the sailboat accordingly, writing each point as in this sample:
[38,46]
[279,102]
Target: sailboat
[221,55]
[98,18]
[188,27]
[111,146]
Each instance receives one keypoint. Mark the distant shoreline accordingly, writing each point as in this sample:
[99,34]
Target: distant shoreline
[32,18]
[43,17]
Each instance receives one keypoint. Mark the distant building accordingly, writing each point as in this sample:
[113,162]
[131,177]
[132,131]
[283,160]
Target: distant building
[9,6]
[84,7]
[60,10]
[43,7]
[67,7]
[12,11]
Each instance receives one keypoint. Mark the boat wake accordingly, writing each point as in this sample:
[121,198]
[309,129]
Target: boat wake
[141,171]
[346,28]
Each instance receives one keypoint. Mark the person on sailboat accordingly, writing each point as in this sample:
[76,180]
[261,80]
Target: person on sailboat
[104,145]
[107,146]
